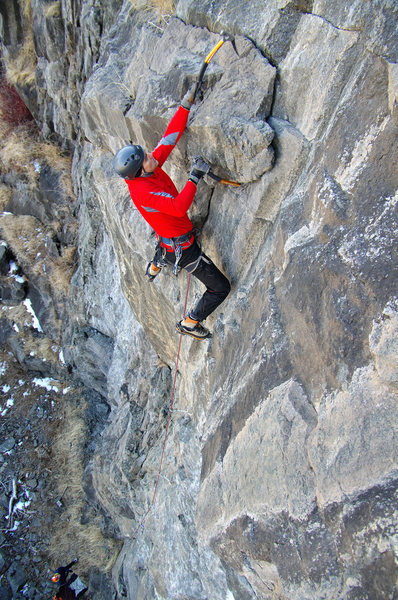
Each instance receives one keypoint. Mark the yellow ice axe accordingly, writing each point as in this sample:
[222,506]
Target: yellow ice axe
[212,53]
[208,58]
[226,38]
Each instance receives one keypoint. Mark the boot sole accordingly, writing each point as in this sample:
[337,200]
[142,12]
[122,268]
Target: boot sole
[196,337]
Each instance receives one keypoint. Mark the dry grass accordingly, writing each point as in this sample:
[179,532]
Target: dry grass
[31,343]
[86,539]
[60,456]
[18,150]
[45,349]
[5,196]
[28,239]
[63,270]
[21,151]
[23,154]
[164,8]
[53,10]
[21,68]
[25,235]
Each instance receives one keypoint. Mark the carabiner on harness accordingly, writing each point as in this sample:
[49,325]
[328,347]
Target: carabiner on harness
[177,245]
[178,253]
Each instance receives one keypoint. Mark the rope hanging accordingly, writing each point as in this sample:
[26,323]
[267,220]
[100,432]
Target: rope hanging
[141,525]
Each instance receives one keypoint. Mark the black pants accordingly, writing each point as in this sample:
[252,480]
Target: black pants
[217,285]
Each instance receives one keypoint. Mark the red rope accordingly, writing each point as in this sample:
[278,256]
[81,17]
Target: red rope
[168,421]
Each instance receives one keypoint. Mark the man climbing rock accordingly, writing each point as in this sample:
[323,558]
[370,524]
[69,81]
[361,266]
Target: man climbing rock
[61,574]
[70,585]
[165,209]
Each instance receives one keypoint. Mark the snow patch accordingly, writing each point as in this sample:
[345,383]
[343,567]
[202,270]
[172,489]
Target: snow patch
[47,383]
[13,268]
[15,526]
[35,320]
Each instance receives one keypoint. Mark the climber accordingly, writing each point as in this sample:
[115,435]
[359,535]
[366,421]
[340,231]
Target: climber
[67,592]
[157,199]
[70,585]
[61,574]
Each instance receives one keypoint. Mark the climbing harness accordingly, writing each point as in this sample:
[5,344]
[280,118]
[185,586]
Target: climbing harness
[178,244]
[175,245]
[141,524]
[184,241]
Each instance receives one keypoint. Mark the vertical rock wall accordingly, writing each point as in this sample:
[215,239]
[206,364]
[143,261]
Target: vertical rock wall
[280,468]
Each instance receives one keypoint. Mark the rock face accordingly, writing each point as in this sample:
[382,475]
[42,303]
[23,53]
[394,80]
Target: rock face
[280,467]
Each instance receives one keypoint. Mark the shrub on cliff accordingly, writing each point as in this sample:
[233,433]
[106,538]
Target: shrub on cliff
[13,110]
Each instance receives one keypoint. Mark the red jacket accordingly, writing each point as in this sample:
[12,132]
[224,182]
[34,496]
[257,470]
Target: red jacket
[156,196]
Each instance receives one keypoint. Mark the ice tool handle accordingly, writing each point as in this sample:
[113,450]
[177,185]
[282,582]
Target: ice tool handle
[225,38]
[208,58]
[221,180]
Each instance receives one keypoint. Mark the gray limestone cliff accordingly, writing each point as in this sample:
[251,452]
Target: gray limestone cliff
[280,468]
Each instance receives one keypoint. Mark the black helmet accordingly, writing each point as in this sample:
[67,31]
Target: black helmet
[128,162]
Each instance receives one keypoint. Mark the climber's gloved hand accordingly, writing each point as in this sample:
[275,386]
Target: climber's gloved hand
[199,168]
[189,97]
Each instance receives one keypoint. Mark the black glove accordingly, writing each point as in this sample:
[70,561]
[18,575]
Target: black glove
[198,169]
[189,97]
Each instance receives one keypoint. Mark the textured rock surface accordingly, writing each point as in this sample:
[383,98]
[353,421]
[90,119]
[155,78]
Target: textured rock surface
[280,467]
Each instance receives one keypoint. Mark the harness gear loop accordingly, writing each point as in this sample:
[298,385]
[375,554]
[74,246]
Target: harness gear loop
[178,253]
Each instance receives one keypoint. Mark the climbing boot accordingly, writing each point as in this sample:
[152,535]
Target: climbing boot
[152,271]
[192,328]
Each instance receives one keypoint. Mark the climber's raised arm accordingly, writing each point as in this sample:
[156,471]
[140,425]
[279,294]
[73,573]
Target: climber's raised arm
[174,130]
